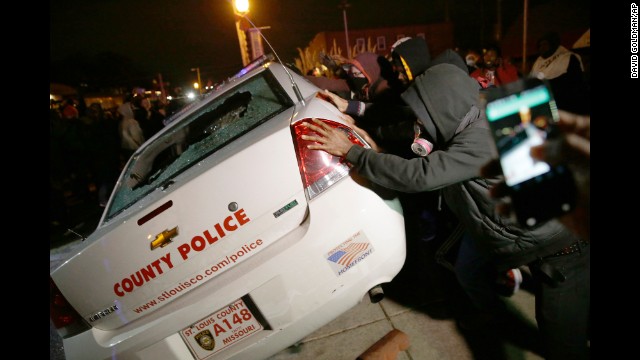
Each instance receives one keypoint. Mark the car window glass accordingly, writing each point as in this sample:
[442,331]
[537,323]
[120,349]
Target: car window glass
[200,134]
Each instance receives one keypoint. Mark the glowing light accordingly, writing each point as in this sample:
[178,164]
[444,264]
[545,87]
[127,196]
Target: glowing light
[241,6]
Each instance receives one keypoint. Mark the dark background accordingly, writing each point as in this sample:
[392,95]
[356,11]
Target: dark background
[92,40]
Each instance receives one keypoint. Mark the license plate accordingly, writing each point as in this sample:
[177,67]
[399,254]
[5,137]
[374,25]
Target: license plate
[220,330]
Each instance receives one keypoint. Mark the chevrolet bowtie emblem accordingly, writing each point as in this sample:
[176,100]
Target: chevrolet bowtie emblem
[164,238]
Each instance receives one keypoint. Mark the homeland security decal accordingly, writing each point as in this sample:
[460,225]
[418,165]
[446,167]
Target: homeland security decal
[349,253]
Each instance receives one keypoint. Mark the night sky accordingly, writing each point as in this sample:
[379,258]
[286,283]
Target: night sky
[171,37]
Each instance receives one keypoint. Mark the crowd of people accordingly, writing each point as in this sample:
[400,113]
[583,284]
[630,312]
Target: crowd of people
[430,143]
[432,106]
[89,146]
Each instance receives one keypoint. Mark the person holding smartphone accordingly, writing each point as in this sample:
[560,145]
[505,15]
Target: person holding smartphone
[445,100]
[572,147]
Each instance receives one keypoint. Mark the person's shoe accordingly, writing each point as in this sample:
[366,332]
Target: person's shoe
[508,283]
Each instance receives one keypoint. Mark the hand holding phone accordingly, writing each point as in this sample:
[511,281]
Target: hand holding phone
[521,115]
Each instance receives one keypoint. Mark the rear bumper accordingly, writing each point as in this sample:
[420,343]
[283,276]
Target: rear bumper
[294,284]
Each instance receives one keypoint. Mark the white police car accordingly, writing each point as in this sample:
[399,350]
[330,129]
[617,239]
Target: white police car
[225,237]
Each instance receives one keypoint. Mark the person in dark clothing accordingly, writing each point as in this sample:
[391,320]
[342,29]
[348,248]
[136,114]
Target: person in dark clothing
[107,154]
[410,58]
[360,78]
[382,112]
[148,116]
[58,175]
[445,102]
[388,119]
[565,73]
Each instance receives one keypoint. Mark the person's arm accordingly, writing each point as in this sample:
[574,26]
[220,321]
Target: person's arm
[349,107]
[355,108]
[460,161]
[136,133]
[126,132]
[574,69]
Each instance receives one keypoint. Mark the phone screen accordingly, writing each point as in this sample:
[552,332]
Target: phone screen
[520,121]
[522,115]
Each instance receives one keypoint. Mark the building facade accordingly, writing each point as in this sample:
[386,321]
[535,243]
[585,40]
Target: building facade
[439,36]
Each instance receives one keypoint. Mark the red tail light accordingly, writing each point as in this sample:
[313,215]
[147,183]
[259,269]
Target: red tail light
[318,168]
[64,317]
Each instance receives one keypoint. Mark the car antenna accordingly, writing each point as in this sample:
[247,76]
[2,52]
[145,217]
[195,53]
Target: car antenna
[293,83]
[79,235]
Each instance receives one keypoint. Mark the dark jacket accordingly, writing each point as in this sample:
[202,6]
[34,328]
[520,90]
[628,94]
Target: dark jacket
[445,101]
[396,133]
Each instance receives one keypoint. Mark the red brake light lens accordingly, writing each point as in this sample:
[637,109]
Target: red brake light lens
[318,168]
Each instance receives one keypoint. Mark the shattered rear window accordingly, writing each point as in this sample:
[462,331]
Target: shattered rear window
[198,135]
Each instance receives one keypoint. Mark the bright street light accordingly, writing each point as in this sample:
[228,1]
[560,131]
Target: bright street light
[241,8]
[197,85]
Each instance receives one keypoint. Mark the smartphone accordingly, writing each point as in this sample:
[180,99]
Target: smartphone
[523,114]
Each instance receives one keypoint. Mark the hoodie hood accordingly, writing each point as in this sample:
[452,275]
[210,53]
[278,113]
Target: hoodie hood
[369,65]
[450,57]
[415,56]
[441,98]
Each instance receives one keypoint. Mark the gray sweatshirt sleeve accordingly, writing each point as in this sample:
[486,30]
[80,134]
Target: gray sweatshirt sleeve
[461,160]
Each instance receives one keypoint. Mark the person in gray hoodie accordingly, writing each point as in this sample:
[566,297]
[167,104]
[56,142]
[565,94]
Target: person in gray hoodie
[445,101]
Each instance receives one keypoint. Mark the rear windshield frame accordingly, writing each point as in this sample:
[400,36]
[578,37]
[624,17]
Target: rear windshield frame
[198,135]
